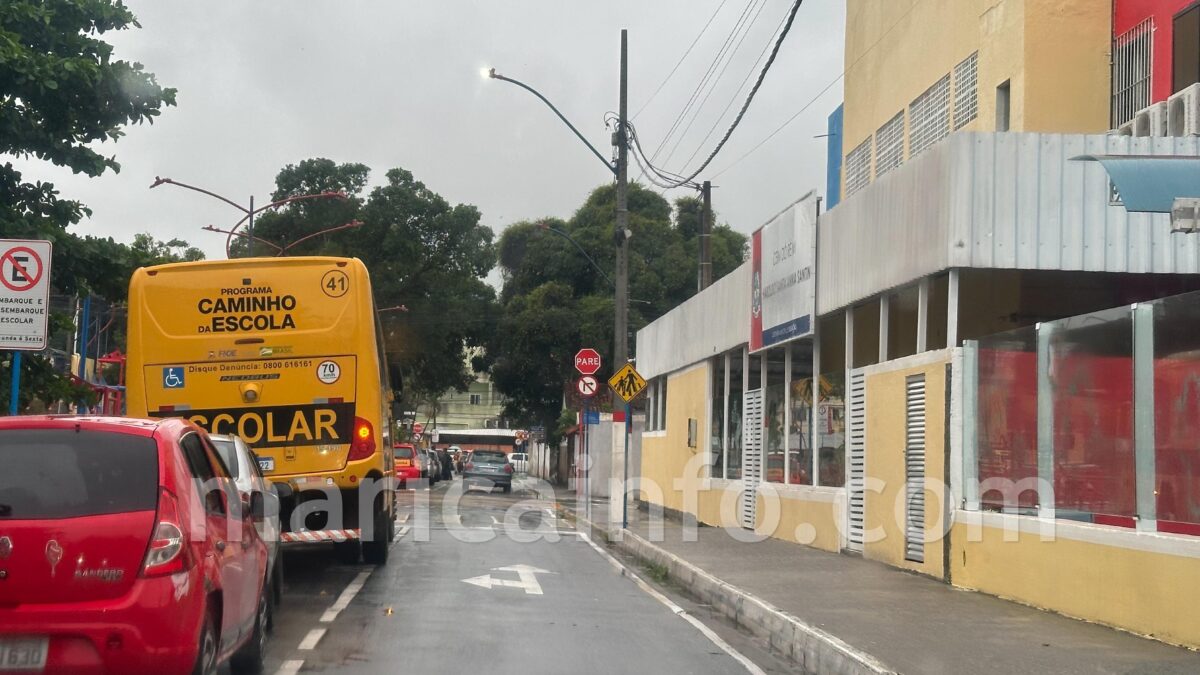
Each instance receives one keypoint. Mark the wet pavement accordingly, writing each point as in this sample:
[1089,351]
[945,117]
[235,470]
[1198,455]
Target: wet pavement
[497,583]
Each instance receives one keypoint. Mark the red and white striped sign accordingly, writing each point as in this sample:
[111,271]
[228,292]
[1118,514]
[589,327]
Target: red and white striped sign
[317,536]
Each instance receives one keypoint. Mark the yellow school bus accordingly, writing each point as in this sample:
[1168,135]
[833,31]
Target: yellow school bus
[286,353]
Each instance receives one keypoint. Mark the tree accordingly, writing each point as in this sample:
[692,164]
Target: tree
[62,92]
[422,252]
[554,301]
[149,251]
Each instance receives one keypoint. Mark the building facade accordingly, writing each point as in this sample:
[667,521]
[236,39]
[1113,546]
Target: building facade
[870,418]
[919,70]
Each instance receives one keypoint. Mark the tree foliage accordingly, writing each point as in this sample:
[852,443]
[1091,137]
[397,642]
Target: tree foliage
[62,92]
[558,297]
[423,253]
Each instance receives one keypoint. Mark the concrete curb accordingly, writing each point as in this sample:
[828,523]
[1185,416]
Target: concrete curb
[812,648]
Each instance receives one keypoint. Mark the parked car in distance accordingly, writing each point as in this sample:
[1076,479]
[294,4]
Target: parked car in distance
[246,468]
[408,465]
[520,461]
[433,468]
[490,469]
[125,550]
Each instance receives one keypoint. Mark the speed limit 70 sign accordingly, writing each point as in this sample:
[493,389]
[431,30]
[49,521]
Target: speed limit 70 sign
[24,293]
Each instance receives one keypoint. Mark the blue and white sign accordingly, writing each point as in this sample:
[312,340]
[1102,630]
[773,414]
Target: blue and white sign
[591,417]
[173,377]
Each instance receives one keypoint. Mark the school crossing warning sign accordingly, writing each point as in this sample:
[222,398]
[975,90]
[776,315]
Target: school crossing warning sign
[627,382]
[24,293]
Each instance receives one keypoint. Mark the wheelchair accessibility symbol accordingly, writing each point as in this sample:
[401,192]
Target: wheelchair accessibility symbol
[173,378]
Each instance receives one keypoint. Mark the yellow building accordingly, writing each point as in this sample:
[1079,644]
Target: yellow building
[919,70]
[943,238]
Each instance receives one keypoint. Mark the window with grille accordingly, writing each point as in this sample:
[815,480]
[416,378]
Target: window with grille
[1132,54]
[889,145]
[476,399]
[966,91]
[929,117]
[858,168]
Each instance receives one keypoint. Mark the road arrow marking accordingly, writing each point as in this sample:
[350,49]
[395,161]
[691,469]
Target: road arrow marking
[528,579]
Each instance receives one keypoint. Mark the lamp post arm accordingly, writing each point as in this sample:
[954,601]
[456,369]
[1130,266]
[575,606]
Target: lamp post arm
[160,181]
[568,237]
[607,164]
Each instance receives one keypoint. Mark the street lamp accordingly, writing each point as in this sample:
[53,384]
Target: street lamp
[620,169]
[251,212]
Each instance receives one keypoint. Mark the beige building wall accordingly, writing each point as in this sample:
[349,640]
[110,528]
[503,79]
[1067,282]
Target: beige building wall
[674,475]
[1141,582]
[1053,53]
[883,523]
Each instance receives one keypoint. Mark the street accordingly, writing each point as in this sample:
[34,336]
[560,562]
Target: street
[465,593]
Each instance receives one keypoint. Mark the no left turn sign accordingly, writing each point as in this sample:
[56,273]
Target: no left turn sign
[24,293]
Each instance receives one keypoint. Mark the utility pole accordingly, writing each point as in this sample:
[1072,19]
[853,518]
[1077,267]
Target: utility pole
[621,318]
[706,226]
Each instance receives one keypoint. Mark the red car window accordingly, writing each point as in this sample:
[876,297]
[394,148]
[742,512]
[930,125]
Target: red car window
[63,473]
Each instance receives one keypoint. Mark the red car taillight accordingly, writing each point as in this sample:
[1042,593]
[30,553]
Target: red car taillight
[362,445]
[168,551]
[508,468]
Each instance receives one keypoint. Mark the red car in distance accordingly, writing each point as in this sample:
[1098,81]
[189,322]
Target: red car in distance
[124,548]
[407,464]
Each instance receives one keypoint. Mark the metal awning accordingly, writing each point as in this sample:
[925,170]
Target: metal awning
[1150,183]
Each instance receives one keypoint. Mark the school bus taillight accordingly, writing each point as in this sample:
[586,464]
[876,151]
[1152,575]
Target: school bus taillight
[363,444]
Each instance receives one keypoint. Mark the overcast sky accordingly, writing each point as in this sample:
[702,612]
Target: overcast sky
[397,83]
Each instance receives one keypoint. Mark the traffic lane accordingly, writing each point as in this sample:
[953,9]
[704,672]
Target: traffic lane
[420,615]
[313,579]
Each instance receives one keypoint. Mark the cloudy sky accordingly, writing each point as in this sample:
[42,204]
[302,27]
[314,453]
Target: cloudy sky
[265,83]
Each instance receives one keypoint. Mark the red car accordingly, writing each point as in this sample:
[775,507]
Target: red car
[407,464]
[114,555]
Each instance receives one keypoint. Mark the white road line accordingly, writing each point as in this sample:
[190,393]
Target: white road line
[494,521]
[400,533]
[310,641]
[290,667]
[749,665]
[345,598]
[404,518]
[549,512]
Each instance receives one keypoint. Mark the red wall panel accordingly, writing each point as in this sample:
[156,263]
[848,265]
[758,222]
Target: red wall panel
[1129,13]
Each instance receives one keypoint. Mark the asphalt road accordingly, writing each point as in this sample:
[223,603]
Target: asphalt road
[487,582]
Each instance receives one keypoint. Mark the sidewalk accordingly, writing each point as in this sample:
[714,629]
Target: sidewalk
[839,613]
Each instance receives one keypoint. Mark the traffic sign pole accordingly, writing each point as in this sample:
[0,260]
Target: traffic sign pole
[625,482]
[16,383]
[83,341]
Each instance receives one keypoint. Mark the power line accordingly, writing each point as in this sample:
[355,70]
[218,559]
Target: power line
[733,99]
[749,98]
[712,67]
[782,126]
[823,91]
[681,59]
[713,85]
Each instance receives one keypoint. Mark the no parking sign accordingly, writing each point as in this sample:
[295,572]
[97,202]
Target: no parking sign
[24,293]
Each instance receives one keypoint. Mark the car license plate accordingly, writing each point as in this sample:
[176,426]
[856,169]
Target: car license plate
[403,462]
[266,464]
[24,653]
